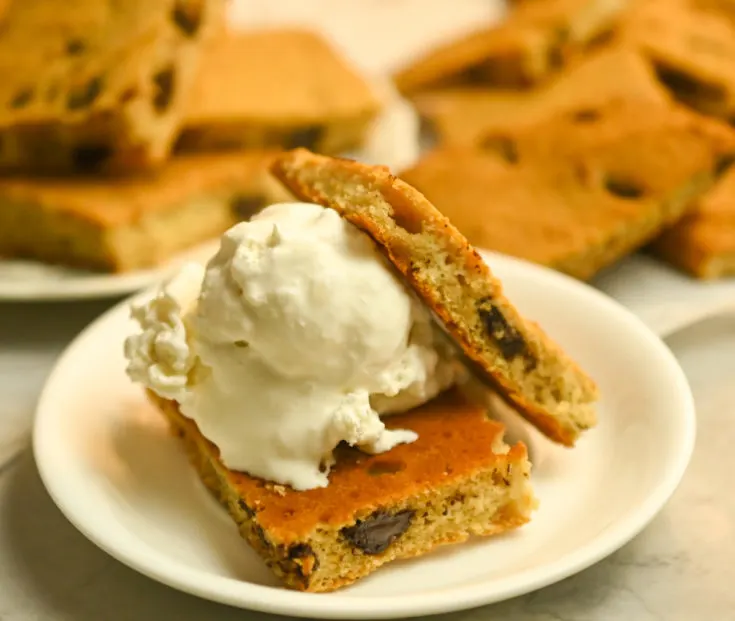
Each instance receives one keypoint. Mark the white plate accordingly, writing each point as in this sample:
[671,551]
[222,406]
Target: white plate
[113,469]
[665,299]
[40,282]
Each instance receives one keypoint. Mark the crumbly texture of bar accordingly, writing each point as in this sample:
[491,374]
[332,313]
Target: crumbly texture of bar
[275,87]
[458,480]
[462,116]
[692,47]
[132,222]
[436,260]
[100,85]
[702,243]
[534,42]
[581,190]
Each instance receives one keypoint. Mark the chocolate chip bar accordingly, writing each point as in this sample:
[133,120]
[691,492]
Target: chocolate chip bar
[133,222]
[702,243]
[578,191]
[532,44]
[511,354]
[277,88]
[458,480]
[692,47]
[462,116]
[98,86]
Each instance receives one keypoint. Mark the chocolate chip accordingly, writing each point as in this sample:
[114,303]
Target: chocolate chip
[476,74]
[187,15]
[689,88]
[723,163]
[300,557]
[260,534]
[601,39]
[587,115]
[377,532]
[85,95]
[22,98]
[75,46]
[507,338]
[624,188]
[306,137]
[502,146]
[90,158]
[245,207]
[385,466]
[300,550]
[164,82]
[555,57]
[245,508]
[677,81]
[531,364]
[128,94]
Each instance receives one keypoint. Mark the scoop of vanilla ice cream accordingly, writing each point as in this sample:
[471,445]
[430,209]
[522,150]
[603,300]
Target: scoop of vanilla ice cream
[301,335]
[309,293]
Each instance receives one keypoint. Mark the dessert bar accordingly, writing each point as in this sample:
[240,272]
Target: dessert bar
[459,479]
[450,277]
[99,86]
[283,88]
[132,222]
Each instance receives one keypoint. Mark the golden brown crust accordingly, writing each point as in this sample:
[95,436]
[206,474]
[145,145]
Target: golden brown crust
[304,82]
[132,222]
[580,190]
[308,538]
[662,156]
[306,94]
[463,116]
[490,202]
[455,283]
[116,201]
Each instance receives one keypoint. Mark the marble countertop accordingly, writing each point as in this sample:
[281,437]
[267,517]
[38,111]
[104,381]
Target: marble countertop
[679,569]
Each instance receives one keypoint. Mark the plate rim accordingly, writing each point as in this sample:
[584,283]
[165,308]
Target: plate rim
[99,286]
[80,288]
[276,600]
